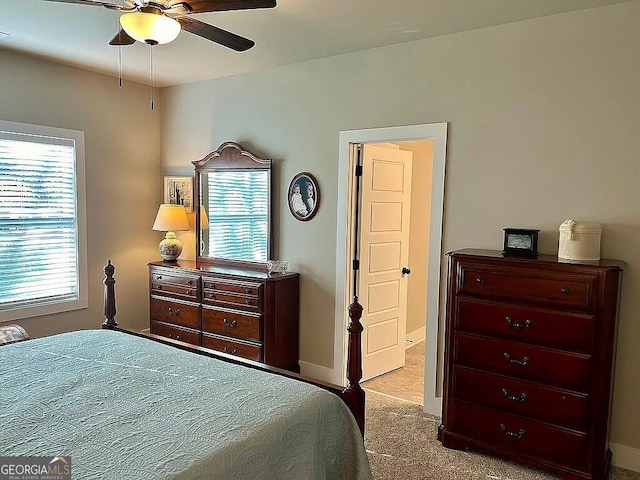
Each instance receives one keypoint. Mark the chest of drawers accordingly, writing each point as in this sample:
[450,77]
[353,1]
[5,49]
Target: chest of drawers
[529,354]
[240,312]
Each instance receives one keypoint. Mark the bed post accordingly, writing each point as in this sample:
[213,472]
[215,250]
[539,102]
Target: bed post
[109,297]
[353,395]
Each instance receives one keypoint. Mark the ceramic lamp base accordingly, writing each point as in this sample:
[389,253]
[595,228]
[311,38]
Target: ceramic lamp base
[170,248]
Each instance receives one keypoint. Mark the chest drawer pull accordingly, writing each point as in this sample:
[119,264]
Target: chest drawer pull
[247,301]
[232,352]
[565,290]
[230,324]
[522,362]
[518,326]
[189,282]
[480,280]
[176,337]
[514,398]
[519,434]
[172,312]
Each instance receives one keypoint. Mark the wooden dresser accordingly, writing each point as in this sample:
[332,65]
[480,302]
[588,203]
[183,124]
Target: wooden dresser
[530,346]
[241,312]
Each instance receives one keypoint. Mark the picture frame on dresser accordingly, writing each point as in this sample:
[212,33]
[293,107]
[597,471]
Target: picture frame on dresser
[178,191]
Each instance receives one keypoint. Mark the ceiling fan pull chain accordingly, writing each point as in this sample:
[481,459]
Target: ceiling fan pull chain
[120,65]
[151,73]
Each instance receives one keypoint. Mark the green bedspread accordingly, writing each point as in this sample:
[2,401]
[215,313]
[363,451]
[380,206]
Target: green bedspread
[128,408]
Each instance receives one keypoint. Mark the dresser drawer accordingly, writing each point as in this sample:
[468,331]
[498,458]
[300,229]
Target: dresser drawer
[175,291]
[552,405]
[227,345]
[186,287]
[233,323]
[177,333]
[551,328]
[545,365]
[512,433]
[245,288]
[224,298]
[539,286]
[175,312]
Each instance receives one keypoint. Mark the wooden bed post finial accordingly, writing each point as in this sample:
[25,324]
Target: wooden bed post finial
[109,296]
[354,394]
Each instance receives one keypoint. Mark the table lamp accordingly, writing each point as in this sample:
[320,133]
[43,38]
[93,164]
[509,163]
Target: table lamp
[170,218]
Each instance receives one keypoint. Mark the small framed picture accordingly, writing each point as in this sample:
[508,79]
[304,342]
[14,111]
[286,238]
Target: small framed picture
[179,191]
[520,241]
[303,196]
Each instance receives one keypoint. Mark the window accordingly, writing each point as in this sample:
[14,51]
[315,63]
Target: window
[42,221]
[239,215]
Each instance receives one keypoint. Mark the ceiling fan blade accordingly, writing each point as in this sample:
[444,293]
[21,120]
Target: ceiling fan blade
[203,6]
[215,34]
[95,3]
[122,38]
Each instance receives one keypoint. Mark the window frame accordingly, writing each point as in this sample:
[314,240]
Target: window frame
[49,307]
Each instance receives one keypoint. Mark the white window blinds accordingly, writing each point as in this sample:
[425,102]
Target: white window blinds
[39,258]
[239,215]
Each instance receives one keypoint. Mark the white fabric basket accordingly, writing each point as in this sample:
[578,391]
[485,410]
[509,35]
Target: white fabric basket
[579,241]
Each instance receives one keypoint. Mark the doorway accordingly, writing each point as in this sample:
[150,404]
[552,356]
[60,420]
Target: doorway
[425,135]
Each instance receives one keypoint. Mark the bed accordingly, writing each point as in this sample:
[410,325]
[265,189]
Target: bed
[128,405]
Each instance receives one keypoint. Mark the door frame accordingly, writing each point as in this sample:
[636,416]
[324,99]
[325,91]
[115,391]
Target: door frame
[344,246]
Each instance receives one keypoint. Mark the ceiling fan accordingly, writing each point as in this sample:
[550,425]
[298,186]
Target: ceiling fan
[160,21]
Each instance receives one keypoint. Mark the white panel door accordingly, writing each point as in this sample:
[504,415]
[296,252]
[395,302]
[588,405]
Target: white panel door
[384,251]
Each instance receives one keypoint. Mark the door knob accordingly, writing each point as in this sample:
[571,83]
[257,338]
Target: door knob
[406,270]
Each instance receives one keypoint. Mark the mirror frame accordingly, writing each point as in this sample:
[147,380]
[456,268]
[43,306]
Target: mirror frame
[230,156]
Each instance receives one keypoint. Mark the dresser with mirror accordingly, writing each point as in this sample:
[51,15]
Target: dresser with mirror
[226,300]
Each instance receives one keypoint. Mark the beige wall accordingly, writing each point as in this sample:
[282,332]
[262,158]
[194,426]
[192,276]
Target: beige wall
[419,232]
[543,121]
[122,161]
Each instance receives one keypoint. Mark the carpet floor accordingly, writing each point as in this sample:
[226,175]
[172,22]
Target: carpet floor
[401,443]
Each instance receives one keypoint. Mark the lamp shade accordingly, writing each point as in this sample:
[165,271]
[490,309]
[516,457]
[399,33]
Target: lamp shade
[151,28]
[204,220]
[170,218]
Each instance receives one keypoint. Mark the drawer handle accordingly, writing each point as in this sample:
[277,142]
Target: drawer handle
[519,434]
[518,326]
[232,352]
[158,277]
[247,290]
[247,301]
[158,287]
[480,280]
[522,362]
[212,295]
[172,312]
[177,337]
[230,324]
[188,292]
[189,282]
[514,398]
[565,290]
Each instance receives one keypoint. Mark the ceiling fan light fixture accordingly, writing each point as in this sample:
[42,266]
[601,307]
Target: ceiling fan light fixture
[151,28]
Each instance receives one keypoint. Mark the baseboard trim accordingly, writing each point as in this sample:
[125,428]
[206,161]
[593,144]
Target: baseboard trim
[625,457]
[416,336]
[318,372]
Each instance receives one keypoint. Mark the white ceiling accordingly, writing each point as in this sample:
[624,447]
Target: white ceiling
[294,31]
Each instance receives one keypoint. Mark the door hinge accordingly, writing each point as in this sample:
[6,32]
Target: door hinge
[356,265]
[358,170]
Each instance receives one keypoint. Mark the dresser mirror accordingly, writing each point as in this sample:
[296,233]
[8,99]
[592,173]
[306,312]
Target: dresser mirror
[232,199]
